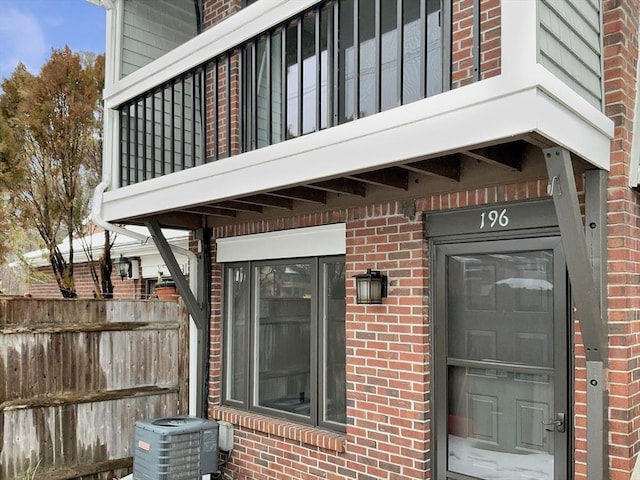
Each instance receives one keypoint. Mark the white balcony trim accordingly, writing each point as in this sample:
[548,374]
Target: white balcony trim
[484,112]
[237,29]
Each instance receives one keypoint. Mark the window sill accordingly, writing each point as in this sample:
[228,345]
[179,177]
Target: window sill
[305,434]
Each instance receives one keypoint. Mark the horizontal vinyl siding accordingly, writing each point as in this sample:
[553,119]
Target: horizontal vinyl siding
[569,39]
[152,28]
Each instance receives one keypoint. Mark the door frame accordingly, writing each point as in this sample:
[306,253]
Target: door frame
[535,226]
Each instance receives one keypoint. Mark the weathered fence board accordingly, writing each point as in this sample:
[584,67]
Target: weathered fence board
[76,374]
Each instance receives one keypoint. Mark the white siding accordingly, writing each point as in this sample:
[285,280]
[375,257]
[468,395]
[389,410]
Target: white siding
[570,46]
[152,28]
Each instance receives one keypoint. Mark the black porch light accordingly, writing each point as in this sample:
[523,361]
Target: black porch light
[371,287]
[123,265]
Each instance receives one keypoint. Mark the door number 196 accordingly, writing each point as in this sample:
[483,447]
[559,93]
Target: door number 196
[494,217]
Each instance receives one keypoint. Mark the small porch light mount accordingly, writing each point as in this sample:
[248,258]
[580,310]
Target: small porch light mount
[371,287]
[124,267]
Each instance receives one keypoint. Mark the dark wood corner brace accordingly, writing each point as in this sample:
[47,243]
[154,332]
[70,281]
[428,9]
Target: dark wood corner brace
[198,304]
[586,263]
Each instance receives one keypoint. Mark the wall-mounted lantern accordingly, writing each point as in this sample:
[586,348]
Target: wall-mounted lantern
[371,287]
[123,266]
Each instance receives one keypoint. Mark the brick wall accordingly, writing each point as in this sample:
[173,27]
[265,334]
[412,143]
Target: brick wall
[214,11]
[44,284]
[388,345]
[388,351]
[620,67]
[462,41]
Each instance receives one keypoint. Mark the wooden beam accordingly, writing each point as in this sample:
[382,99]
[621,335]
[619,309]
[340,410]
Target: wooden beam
[302,193]
[46,401]
[208,210]
[42,328]
[267,201]
[447,166]
[342,185]
[239,206]
[507,155]
[70,473]
[394,177]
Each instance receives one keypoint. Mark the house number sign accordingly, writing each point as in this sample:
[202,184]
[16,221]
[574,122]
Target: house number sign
[492,218]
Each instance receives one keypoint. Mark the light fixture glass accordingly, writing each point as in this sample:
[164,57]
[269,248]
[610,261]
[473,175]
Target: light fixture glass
[371,287]
[123,265]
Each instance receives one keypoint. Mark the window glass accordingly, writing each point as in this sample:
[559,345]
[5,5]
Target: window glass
[368,60]
[333,342]
[309,70]
[276,87]
[389,55]
[325,72]
[346,68]
[283,337]
[237,304]
[411,51]
[262,86]
[434,48]
[293,71]
[247,96]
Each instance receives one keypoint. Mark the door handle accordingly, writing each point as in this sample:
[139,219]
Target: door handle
[558,423]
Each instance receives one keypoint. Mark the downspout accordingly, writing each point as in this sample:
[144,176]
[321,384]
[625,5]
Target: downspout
[96,215]
[111,74]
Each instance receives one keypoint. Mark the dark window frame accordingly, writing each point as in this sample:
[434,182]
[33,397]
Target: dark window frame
[318,360]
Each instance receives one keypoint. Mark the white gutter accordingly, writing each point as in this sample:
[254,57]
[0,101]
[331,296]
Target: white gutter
[96,215]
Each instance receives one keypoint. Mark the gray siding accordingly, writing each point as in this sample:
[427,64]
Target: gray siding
[152,28]
[570,47]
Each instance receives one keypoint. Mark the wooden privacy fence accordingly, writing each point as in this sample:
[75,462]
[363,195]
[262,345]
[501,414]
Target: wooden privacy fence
[74,377]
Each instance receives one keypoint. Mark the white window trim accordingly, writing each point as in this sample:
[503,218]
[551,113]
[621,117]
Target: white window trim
[300,242]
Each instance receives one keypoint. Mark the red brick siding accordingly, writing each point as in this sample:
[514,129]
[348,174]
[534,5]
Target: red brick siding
[490,44]
[373,332]
[388,352]
[47,287]
[214,11]
[462,40]
[620,19]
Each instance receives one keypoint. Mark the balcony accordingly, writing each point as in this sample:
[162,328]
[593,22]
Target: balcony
[278,108]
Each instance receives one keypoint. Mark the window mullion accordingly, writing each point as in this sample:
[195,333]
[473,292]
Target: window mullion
[251,353]
[314,345]
[299,79]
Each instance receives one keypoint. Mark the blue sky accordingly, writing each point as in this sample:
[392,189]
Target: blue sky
[30,29]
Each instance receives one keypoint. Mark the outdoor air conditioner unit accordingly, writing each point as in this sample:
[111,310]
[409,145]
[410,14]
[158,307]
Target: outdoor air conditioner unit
[175,448]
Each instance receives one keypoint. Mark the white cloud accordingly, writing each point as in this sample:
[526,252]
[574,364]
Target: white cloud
[23,40]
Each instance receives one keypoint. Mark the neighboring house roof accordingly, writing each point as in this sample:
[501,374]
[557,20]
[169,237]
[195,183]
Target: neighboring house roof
[148,253]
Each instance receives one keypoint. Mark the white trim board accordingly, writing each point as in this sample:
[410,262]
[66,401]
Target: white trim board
[299,242]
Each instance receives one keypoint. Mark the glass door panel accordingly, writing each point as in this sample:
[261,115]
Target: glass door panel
[505,380]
